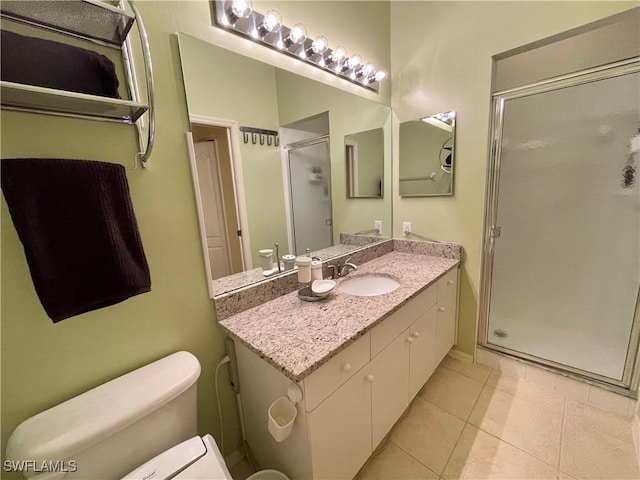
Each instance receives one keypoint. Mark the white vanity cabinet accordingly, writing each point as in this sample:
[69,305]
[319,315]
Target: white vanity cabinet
[340,429]
[353,400]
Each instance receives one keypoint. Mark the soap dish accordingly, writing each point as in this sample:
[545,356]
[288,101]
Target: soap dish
[308,296]
[322,287]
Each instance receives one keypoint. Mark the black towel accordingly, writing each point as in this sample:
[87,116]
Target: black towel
[76,223]
[45,63]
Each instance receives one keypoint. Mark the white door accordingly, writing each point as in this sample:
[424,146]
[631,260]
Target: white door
[213,208]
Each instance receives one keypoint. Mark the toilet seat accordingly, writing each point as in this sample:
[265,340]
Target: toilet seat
[196,459]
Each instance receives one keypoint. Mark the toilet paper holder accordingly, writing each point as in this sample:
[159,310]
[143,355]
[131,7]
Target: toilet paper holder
[283,413]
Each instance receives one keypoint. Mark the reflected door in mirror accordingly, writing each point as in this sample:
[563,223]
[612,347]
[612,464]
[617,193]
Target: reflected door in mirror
[211,192]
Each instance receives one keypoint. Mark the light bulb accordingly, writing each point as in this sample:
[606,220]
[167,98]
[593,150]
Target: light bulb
[241,8]
[271,22]
[298,33]
[380,75]
[369,68]
[320,44]
[339,53]
[354,61]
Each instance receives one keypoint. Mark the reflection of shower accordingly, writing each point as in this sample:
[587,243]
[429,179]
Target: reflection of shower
[309,174]
[446,155]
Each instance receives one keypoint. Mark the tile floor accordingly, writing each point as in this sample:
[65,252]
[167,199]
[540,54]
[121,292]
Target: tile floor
[472,422]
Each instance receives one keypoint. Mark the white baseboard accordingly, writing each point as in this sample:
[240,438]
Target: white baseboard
[458,355]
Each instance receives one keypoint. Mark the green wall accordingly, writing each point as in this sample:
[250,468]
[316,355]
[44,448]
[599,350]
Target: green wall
[44,364]
[441,61]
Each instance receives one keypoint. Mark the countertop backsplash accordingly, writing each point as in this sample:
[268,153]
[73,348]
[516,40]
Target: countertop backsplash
[236,301]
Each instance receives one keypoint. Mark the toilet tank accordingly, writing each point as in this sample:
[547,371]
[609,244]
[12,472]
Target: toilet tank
[112,429]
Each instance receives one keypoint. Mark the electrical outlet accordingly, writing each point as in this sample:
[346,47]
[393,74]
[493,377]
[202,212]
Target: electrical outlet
[377,225]
[406,228]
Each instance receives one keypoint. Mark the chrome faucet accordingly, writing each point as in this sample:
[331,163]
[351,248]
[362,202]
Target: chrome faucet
[340,270]
[347,267]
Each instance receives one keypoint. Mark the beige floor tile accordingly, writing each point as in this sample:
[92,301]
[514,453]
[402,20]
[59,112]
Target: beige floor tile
[479,455]
[590,454]
[521,388]
[564,476]
[428,433]
[595,418]
[476,371]
[532,426]
[452,392]
[241,470]
[571,388]
[609,401]
[394,463]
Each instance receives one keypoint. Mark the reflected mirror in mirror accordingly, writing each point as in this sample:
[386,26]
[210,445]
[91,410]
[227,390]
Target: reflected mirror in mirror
[427,155]
[287,187]
[364,152]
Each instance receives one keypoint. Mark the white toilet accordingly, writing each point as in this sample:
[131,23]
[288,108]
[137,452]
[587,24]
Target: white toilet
[113,430]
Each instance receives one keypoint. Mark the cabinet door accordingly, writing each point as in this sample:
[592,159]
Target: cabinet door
[422,358]
[340,429]
[445,324]
[390,388]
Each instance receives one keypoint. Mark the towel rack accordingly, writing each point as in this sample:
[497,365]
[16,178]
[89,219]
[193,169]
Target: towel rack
[103,23]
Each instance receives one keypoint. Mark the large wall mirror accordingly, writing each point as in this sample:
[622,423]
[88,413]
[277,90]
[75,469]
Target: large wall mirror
[427,155]
[284,179]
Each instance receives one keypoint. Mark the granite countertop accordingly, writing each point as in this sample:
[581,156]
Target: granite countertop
[297,336]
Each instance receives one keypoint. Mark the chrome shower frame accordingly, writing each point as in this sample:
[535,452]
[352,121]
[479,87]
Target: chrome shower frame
[630,382]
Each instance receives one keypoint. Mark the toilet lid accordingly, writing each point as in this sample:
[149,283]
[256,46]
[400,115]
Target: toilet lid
[210,466]
[195,459]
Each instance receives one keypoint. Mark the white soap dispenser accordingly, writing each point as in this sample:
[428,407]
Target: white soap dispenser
[304,269]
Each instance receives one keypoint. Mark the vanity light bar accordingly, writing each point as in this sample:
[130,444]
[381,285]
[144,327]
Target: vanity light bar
[238,16]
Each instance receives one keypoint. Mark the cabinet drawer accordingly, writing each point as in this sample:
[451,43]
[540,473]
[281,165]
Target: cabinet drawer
[335,372]
[447,283]
[386,331]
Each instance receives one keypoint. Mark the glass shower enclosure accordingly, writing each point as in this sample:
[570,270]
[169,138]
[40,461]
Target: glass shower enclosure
[561,266]
[309,178]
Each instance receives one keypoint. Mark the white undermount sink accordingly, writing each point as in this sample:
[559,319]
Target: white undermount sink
[369,285]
